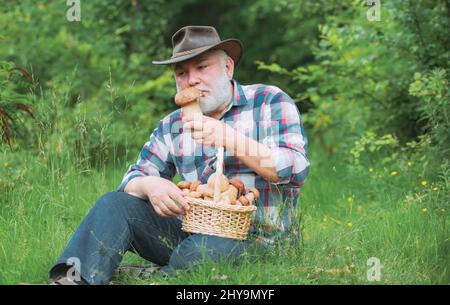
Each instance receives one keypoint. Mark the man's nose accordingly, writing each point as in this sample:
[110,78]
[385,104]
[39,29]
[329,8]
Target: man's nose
[193,79]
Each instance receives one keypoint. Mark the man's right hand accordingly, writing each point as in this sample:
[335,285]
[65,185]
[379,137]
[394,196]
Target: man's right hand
[162,194]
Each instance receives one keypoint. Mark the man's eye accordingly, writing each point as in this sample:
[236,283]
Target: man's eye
[202,67]
[181,73]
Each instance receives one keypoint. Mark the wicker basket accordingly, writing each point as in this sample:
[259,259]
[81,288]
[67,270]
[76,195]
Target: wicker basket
[225,220]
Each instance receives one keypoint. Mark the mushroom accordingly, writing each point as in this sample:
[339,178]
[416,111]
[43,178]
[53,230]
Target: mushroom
[205,190]
[194,185]
[194,195]
[230,195]
[184,185]
[253,194]
[223,182]
[205,197]
[235,189]
[239,185]
[187,99]
[243,200]
[225,199]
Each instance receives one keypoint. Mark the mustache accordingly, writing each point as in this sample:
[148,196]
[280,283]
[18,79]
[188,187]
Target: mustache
[203,88]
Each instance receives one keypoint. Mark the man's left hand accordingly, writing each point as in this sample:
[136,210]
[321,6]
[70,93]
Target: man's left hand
[209,131]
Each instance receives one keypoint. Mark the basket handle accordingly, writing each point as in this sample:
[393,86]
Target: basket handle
[219,173]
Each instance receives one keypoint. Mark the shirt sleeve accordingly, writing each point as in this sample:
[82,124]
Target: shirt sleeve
[154,160]
[286,138]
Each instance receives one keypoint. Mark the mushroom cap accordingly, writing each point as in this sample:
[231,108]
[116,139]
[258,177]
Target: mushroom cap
[243,200]
[223,182]
[194,185]
[205,190]
[208,198]
[187,96]
[239,185]
[225,200]
[255,192]
[194,194]
[231,194]
[184,184]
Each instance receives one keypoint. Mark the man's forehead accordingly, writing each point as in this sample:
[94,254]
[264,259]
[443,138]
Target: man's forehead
[196,59]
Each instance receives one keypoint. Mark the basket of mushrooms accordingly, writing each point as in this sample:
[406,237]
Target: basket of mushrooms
[221,207]
[229,216]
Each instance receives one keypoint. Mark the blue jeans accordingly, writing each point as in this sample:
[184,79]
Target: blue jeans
[119,222]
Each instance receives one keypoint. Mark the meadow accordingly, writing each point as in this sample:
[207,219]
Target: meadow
[80,96]
[401,220]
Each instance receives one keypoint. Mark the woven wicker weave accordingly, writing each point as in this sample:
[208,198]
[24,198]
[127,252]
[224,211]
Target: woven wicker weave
[232,221]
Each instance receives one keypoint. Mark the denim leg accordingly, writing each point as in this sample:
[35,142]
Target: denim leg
[198,247]
[116,223]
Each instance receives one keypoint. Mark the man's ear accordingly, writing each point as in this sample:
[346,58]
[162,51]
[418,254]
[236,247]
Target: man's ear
[229,66]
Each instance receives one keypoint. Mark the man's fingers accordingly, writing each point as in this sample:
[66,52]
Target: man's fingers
[193,117]
[172,206]
[178,195]
[197,135]
[181,200]
[194,125]
[158,210]
[165,210]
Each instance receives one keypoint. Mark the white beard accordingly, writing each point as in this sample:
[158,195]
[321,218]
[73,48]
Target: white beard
[219,94]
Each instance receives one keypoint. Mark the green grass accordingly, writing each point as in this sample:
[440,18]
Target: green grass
[393,218]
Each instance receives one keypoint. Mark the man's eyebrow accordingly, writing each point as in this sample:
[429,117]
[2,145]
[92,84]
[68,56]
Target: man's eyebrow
[177,67]
[201,58]
[197,60]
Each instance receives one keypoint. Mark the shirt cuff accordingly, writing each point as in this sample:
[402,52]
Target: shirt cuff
[127,179]
[283,159]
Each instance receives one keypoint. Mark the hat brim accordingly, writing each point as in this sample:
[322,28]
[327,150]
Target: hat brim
[232,46]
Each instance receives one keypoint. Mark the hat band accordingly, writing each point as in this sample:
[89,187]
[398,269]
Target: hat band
[178,54]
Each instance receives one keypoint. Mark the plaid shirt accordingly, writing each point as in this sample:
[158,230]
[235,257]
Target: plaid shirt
[264,113]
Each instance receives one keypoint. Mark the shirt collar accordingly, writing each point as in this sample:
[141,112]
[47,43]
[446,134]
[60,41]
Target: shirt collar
[239,98]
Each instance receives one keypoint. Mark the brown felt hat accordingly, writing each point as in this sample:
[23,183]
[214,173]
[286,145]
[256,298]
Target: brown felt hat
[194,40]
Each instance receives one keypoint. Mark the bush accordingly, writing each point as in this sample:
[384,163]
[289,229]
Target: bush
[95,92]
[432,92]
[377,78]
[16,102]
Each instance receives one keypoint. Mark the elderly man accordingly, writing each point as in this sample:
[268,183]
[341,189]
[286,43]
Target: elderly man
[260,129]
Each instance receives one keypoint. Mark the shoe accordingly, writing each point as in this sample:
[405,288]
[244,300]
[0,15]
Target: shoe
[64,280]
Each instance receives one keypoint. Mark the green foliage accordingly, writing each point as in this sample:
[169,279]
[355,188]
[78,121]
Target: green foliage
[376,148]
[434,106]
[16,101]
[79,99]
[359,83]
[387,77]
[94,81]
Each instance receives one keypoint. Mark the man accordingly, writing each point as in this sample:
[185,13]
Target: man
[265,147]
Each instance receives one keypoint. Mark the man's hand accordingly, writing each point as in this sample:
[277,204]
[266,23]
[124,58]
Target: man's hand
[162,194]
[212,132]
[209,131]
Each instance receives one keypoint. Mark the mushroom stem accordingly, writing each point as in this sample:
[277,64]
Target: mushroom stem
[250,197]
[230,195]
[219,172]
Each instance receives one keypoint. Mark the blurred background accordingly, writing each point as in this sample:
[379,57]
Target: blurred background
[78,99]
[91,84]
